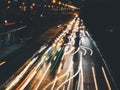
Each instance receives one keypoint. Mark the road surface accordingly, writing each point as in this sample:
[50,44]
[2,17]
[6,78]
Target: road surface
[71,61]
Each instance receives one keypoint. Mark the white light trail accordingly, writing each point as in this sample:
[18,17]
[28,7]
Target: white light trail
[85,51]
[25,82]
[94,77]
[18,77]
[37,86]
[91,51]
[106,79]
[69,51]
[41,49]
[63,75]
[79,68]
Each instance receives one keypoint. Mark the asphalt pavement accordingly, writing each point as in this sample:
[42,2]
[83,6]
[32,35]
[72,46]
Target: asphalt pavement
[73,65]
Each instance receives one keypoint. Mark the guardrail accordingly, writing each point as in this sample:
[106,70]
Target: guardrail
[14,30]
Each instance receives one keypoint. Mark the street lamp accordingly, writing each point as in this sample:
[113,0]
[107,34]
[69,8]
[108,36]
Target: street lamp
[59,3]
[23,3]
[44,5]
[33,4]
[53,1]
[48,6]
[9,2]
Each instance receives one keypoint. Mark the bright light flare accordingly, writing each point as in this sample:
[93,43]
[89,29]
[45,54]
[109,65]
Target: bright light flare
[53,1]
[33,4]
[94,77]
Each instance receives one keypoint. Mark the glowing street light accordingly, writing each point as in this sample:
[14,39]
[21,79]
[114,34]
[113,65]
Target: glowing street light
[31,7]
[66,5]
[49,6]
[59,3]
[53,1]
[8,6]
[23,3]
[5,21]
[9,1]
[33,4]
[19,6]
[44,5]
[52,6]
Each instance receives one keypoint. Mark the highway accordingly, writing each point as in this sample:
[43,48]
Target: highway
[71,62]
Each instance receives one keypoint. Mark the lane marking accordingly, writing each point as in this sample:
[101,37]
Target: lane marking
[94,77]
[106,79]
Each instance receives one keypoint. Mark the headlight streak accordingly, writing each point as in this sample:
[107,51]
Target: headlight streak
[106,79]
[31,75]
[59,69]
[19,77]
[91,51]
[27,79]
[37,86]
[59,77]
[14,81]
[58,42]
[79,68]
[72,49]
[85,51]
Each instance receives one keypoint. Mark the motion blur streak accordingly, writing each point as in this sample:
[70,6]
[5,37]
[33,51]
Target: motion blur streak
[106,79]
[18,78]
[94,77]
[79,68]
[63,75]
[43,77]
[91,51]
[20,86]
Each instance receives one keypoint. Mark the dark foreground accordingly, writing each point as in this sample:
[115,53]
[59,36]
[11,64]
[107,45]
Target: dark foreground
[102,21]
